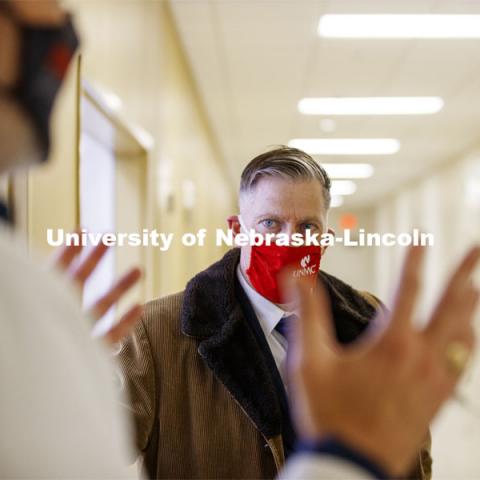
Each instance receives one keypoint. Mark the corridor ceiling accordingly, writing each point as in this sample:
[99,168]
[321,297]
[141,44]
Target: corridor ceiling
[253,61]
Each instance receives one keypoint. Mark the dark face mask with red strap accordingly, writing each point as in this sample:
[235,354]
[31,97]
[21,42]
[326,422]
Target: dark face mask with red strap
[46,53]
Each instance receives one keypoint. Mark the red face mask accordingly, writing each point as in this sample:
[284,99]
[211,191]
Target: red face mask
[267,261]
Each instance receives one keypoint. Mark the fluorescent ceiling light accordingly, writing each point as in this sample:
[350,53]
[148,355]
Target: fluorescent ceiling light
[346,146]
[336,201]
[399,26]
[348,170]
[370,105]
[343,187]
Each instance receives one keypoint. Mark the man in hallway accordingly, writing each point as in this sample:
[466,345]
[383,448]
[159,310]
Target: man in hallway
[205,367]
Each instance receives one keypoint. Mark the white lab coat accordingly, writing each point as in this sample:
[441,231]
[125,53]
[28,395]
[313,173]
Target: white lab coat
[59,415]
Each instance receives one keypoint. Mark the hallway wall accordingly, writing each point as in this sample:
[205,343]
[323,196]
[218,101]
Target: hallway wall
[446,203]
[131,48]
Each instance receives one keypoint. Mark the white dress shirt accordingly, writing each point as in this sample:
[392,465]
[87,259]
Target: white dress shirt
[268,315]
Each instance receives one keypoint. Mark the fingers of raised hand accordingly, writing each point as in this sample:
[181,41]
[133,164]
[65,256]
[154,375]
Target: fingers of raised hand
[64,256]
[126,323]
[125,283]
[454,312]
[314,328]
[408,290]
[86,266]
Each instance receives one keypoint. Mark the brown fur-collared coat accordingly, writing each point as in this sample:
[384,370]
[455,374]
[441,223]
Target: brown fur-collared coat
[202,396]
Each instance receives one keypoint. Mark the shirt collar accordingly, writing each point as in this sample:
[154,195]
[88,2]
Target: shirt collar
[267,312]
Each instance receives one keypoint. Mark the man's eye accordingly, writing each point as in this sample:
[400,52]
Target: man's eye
[309,226]
[268,223]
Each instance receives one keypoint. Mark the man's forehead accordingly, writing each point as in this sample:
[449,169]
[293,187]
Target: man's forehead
[288,214]
[279,195]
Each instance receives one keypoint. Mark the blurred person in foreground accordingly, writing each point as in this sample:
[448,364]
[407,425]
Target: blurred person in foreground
[206,367]
[58,402]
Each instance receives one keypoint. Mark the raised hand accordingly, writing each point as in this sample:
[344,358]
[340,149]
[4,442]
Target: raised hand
[380,394]
[79,274]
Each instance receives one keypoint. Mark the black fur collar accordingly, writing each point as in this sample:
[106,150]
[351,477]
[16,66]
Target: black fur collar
[212,314]
[210,300]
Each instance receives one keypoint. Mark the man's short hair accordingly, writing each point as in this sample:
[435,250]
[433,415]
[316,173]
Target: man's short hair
[286,162]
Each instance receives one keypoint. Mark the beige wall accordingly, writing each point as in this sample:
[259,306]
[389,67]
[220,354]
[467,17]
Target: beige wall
[131,49]
[446,203]
[352,264]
